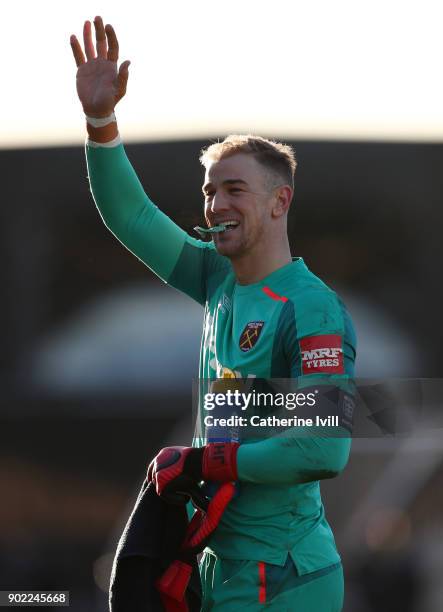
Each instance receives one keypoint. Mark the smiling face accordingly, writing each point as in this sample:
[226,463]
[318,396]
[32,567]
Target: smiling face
[237,190]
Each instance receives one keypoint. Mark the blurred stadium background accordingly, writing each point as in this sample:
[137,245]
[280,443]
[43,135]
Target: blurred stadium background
[91,337]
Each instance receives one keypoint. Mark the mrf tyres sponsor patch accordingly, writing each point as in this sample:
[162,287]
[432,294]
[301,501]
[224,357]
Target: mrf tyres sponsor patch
[322,354]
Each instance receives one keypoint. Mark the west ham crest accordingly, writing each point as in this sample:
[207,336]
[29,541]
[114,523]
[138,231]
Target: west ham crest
[250,335]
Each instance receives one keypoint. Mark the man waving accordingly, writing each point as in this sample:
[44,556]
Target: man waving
[265,316]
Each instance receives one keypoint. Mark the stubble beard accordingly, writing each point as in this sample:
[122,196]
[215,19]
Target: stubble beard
[230,250]
[241,246]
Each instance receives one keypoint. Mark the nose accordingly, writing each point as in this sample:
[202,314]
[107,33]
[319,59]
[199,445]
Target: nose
[219,202]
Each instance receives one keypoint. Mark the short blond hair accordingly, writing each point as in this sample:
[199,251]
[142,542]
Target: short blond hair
[277,158]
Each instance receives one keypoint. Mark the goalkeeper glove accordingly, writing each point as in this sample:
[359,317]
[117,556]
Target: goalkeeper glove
[174,581]
[176,469]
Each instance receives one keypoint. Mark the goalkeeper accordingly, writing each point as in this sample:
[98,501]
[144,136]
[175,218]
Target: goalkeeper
[266,316]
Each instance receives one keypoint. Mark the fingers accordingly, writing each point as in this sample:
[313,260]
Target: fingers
[100,37]
[77,51]
[87,41]
[204,523]
[112,43]
[106,45]
[219,502]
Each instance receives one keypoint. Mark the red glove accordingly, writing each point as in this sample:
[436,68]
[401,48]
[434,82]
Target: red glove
[177,469]
[173,583]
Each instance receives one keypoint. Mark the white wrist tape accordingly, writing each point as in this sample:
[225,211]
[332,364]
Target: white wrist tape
[99,122]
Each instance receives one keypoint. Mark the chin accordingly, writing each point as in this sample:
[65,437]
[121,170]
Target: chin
[229,250]
[231,247]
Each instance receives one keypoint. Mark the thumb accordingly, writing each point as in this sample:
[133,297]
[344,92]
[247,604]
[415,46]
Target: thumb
[204,523]
[122,79]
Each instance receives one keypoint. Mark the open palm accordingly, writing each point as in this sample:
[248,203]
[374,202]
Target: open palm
[99,84]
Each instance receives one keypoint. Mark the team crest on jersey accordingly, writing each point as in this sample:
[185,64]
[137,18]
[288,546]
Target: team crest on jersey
[250,335]
[322,354]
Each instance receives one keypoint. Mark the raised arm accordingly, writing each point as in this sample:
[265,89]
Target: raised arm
[100,85]
[121,200]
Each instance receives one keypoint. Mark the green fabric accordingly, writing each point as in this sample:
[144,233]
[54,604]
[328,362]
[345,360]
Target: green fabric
[131,216]
[278,508]
[232,585]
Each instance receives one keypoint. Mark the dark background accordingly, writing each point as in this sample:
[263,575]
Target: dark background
[75,441]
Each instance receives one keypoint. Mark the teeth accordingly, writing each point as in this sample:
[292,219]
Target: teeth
[228,223]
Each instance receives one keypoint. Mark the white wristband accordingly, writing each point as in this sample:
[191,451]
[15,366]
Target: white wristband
[99,122]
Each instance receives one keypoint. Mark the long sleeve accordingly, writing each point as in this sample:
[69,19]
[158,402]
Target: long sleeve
[152,236]
[304,455]
[292,460]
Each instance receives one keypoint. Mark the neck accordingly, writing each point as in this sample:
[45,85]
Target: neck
[253,266]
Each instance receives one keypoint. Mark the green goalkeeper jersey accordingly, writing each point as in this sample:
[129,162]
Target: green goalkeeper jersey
[288,325]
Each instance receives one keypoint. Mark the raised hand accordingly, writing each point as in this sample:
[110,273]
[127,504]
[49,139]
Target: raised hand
[99,84]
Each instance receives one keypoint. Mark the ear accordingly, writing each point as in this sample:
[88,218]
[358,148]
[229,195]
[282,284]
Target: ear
[282,200]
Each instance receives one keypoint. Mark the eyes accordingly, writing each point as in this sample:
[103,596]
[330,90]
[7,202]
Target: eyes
[232,191]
